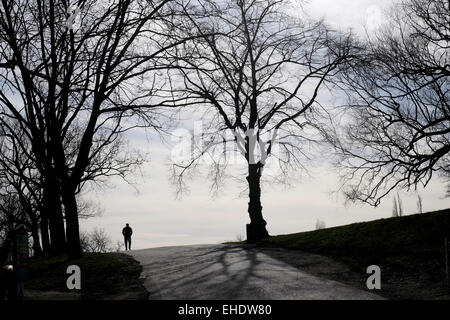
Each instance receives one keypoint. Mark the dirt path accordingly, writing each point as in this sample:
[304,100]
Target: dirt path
[238,272]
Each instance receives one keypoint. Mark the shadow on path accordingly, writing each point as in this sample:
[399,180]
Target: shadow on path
[233,272]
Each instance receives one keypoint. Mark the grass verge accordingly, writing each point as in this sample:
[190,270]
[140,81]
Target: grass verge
[103,276]
[409,251]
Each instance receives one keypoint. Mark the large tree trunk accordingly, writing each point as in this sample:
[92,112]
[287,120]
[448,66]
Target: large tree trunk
[55,216]
[256,230]
[72,226]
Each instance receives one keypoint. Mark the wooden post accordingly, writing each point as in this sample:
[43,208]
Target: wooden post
[446,262]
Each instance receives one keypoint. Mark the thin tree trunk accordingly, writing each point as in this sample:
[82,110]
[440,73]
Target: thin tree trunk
[72,226]
[34,224]
[55,217]
[256,230]
[46,245]
[35,233]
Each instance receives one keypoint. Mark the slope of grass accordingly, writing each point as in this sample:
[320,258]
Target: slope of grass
[409,249]
[103,275]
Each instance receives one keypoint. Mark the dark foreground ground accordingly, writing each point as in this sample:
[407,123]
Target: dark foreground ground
[111,276]
[409,251]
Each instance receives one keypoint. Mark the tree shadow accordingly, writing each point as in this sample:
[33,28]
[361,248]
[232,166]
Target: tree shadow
[223,272]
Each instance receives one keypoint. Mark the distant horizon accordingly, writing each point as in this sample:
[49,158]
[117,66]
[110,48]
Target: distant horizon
[243,239]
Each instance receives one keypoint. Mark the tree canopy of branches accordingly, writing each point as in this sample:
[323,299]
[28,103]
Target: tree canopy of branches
[98,241]
[72,91]
[20,192]
[398,132]
[256,73]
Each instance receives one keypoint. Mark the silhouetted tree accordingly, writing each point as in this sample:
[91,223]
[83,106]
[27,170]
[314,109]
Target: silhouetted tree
[21,178]
[398,114]
[77,80]
[419,204]
[19,186]
[255,73]
[97,241]
[395,208]
[320,224]
[400,205]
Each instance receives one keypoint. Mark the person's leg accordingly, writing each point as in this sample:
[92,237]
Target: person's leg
[129,243]
[125,240]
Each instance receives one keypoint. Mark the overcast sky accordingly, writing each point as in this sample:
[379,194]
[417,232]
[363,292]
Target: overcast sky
[159,220]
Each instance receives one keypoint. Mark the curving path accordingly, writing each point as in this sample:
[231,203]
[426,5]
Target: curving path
[227,272]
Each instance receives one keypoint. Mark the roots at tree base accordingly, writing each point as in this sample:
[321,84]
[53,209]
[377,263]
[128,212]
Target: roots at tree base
[256,232]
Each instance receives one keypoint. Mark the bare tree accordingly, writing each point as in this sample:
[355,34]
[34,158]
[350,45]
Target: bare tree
[82,85]
[255,74]
[398,117]
[400,205]
[88,208]
[320,224]
[21,178]
[395,208]
[19,187]
[96,241]
[419,203]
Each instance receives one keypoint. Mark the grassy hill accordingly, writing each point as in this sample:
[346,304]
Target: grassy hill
[409,250]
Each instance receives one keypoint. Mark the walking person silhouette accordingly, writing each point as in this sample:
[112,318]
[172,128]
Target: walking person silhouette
[127,232]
